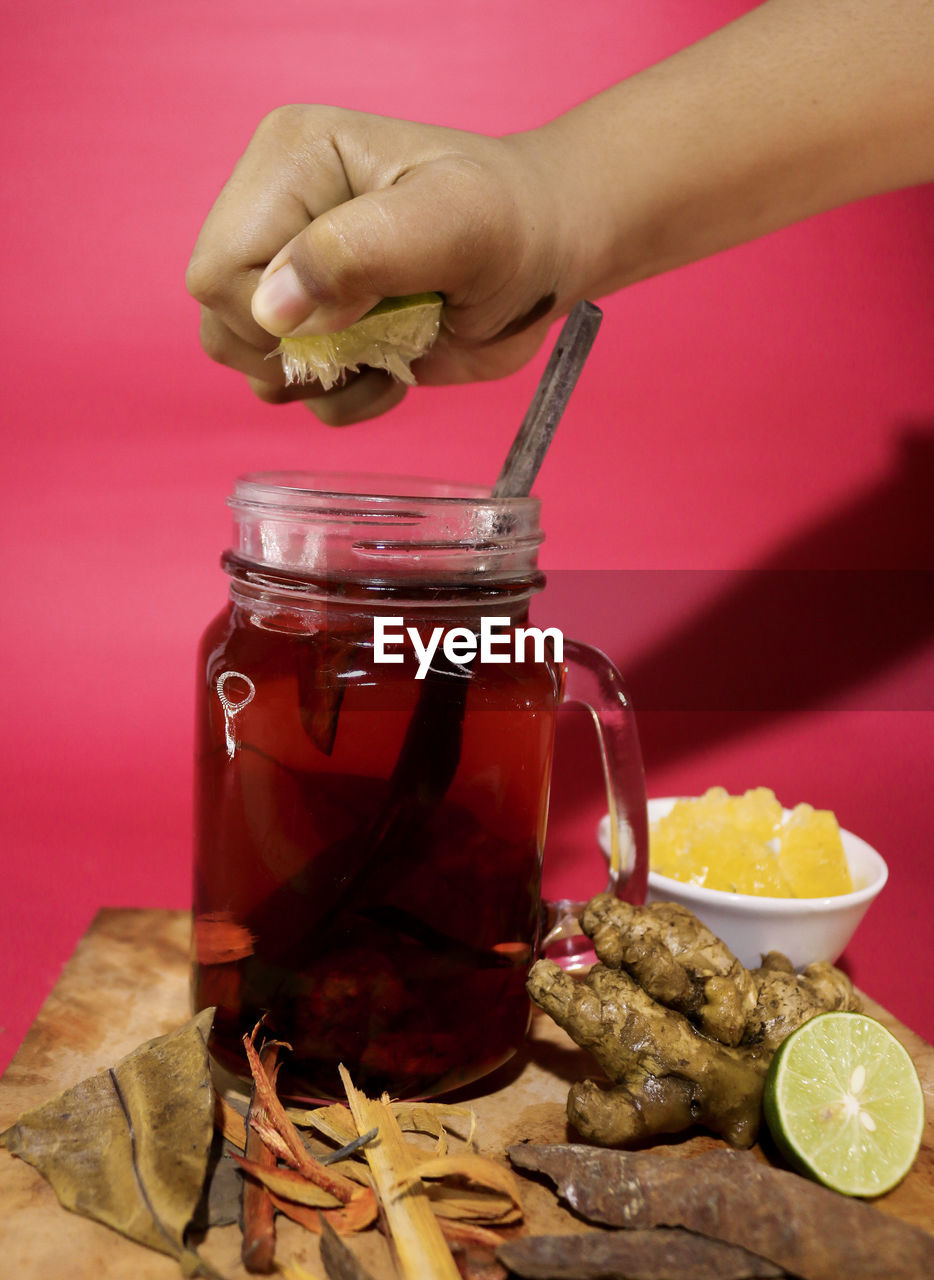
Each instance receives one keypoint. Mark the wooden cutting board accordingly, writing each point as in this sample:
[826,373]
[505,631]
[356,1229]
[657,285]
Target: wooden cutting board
[127,982]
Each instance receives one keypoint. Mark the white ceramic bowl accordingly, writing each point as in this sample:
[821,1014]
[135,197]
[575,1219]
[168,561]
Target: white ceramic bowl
[803,929]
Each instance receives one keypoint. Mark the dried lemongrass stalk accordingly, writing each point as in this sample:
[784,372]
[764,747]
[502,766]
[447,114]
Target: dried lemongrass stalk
[505,1203]
[258,1249]
[464,1204]
[334,1121]
[430,1117]
[420,1246]
[467,1233]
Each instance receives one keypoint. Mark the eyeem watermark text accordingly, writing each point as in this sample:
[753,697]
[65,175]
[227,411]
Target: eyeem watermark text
[497,641]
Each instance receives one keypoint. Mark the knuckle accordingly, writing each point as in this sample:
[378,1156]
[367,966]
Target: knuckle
[204,280]
[286,123]
[278,121]
[214,339]
[269,393]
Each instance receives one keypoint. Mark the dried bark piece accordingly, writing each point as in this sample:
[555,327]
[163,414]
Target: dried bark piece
[666,1253]
[338,1261]
[258,1248]
[130,1147]
[811,1232]
[474,1250]
[281,1136]
[290,1146]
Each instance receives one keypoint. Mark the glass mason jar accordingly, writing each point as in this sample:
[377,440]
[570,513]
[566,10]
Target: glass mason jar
[370,821]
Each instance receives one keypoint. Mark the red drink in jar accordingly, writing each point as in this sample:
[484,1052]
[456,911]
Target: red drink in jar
[369,843]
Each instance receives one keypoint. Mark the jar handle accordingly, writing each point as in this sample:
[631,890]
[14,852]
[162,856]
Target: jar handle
[591,679]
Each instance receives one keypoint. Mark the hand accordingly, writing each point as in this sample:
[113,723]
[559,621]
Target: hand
[329,211]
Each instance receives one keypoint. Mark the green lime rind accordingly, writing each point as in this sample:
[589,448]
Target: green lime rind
[844,1104]
[401,304]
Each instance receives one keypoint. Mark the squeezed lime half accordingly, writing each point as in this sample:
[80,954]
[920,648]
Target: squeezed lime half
[392,335]
[844,1103]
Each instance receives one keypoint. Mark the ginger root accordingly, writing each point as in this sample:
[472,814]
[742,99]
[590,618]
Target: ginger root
[684,1032]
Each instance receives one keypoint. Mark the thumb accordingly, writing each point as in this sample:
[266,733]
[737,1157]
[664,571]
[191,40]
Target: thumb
[416,236]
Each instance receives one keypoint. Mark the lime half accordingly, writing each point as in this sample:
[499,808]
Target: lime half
[844,1103]
[392,335]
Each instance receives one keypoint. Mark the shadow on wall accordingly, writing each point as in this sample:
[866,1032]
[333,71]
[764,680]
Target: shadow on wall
[829,618]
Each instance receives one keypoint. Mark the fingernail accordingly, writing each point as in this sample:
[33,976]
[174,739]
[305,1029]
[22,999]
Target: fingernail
[280,302]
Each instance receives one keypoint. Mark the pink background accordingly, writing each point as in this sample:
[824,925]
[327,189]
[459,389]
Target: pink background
[771,408]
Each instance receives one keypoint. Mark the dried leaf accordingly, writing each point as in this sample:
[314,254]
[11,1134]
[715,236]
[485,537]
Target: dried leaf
[732,1196]
[229,1122]
[360,1213]
[667,1253]
[289,1184]
[491,1196]
[420,1247]
[469,1233]
[129,1147]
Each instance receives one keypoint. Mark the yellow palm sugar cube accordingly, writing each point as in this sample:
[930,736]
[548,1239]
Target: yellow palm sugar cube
[739,864]
[757,813]
[810,853]
[673,841]
[722,842]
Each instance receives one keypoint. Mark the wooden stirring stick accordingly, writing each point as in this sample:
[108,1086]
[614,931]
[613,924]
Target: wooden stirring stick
[549,402]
